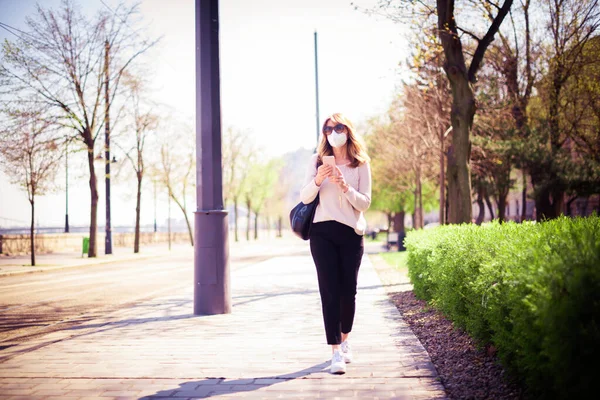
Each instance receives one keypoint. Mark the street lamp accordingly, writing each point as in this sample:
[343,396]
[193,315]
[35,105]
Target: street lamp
[154,181]
[67,188]
[107,225]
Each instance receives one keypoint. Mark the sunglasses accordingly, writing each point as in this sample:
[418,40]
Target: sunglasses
[339,128]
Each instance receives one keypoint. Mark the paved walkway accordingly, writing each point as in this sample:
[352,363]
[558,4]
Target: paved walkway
[271,346]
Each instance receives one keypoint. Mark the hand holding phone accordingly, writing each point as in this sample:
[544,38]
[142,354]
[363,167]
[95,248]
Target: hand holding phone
[330,160]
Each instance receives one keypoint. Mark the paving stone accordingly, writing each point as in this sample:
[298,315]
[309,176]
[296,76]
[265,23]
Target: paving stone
[271,346]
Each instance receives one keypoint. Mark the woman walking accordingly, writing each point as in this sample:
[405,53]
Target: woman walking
[336,236]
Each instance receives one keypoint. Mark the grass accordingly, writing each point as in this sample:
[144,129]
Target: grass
[397,259]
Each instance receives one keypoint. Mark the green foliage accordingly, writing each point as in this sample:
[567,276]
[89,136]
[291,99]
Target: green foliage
[533,290]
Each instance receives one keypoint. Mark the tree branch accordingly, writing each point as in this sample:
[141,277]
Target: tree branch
[487,39]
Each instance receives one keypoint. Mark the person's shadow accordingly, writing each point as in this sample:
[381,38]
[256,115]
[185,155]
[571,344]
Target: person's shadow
[221,386]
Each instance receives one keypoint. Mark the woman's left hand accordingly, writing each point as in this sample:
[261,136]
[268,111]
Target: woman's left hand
[339,179]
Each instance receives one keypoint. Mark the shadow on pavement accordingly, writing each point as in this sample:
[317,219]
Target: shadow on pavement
[221,386]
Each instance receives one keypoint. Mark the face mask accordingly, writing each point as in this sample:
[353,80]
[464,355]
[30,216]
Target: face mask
[337,139]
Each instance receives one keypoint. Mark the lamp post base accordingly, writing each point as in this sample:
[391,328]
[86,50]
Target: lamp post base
[212,293]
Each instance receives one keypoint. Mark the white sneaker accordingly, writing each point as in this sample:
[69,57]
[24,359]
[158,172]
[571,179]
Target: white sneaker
[338,366]
[346,351]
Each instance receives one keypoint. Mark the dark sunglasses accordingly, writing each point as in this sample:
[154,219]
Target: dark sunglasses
[339,128]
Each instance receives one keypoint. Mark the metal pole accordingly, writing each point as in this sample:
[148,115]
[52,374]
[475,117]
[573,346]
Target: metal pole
[211,251]
[67,188]
[317,89]
[108,237]
[169,222]
[154,206]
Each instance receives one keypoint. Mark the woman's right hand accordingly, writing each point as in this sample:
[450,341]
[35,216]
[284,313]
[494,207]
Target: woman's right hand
[323,172]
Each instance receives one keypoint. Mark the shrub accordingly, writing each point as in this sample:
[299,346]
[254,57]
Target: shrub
[532,290]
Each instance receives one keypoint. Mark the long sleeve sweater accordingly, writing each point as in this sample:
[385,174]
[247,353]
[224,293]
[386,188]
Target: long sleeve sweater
[335,205]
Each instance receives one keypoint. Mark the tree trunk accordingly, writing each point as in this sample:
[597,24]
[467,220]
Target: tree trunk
[481,205]
[255,226]
[249,218]
[185,215]
[189,226]
[279,225]
[32,231]
[399,221]
[501,208]
[502,181]
[459,175]
[94,200]
[235,219]
[136,241]
[543,206]
[568,211]
[418,219]
[524,196]
[442,181]
[486,197]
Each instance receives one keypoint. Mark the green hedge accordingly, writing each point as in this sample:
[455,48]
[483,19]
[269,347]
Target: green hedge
[531,290]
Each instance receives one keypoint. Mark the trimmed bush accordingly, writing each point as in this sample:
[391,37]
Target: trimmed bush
[532,290]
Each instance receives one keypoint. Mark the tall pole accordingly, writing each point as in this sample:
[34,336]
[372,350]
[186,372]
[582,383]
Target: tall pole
[67,188]
[317,89]
[154,206]
[108,237]
[169,222]
[211,258]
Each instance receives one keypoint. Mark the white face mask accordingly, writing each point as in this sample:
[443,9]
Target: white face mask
[337,139]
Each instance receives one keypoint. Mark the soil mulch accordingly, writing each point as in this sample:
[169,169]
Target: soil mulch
[465,371]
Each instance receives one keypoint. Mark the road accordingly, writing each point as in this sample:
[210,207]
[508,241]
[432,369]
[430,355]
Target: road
[39,303]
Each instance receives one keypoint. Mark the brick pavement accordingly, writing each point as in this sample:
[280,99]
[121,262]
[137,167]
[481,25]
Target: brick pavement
[271,346]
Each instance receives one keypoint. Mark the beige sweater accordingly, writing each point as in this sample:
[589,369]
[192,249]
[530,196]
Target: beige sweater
[335,205]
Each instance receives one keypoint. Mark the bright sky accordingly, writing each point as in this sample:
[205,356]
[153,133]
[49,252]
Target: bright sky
[267,81]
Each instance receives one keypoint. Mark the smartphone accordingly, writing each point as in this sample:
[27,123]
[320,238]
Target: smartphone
[330,160]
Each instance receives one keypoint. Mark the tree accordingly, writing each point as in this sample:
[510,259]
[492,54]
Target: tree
[461,79]
[144,123]
[391,188]
[62,59]
[573,24]
[29,155]
[238,155]
[260,187]
[175,170]
[426,65]
[276,204]
[519,75]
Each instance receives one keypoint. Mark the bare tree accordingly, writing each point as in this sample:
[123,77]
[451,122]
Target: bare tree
[144,123]
[29,156]
[573,23]
[63,59]
[175,171]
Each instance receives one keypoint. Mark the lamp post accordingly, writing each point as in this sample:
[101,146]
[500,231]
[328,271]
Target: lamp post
[67,187]
[317,89]
[154,181]
[107,226]
[108,237]
[211,266]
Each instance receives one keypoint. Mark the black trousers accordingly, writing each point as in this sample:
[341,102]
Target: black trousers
[337,252]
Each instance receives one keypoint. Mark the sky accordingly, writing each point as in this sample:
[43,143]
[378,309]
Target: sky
[267,83]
